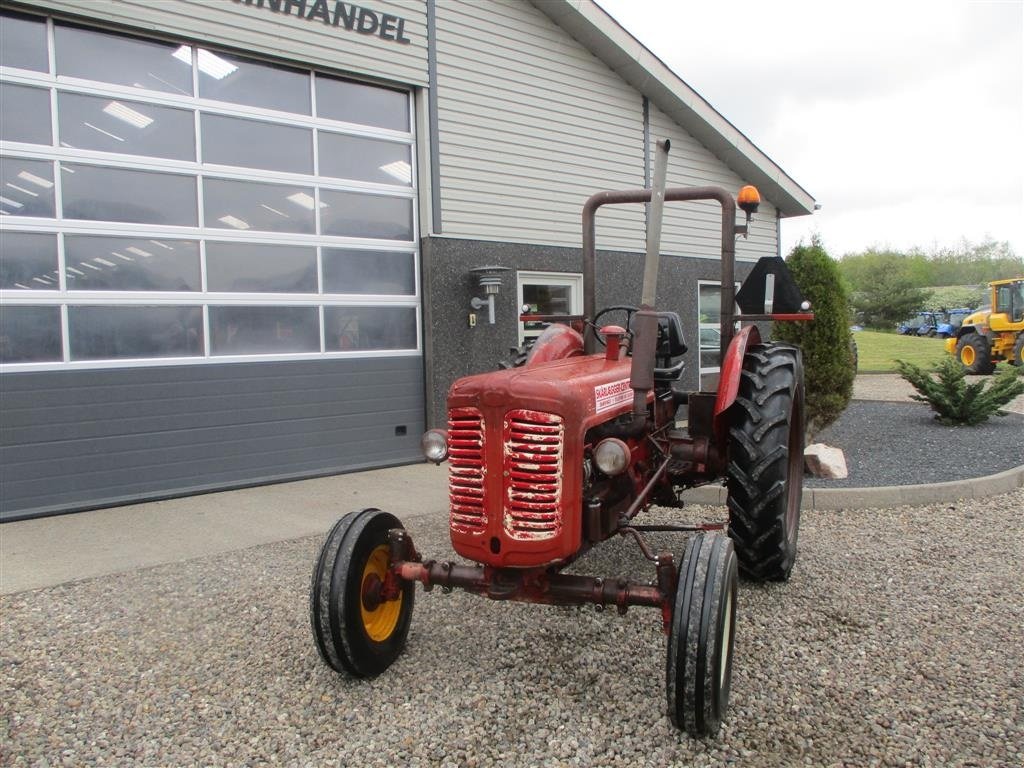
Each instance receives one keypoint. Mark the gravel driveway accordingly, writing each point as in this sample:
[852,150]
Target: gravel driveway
[897,642]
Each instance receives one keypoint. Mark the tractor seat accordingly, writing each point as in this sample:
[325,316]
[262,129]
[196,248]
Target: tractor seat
[671,347]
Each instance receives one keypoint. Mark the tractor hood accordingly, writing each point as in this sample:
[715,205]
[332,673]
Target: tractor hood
[582,390]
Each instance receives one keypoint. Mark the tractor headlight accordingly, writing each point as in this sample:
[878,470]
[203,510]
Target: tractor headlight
[434,445]
[612,456]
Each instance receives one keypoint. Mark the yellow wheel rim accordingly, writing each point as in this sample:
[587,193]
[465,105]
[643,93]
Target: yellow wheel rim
[967,355]
[379,623]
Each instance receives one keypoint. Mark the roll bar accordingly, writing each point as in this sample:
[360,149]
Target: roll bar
[673,194]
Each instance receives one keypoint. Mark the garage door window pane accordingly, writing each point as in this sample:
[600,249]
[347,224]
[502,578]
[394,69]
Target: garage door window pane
[131,264]
[28,261]
[264,330]
[229,78]
[25,115]
[26,187]
[253,144]
[351,214]
[140,197]
[127,127]
[246,205]
[362,159]
[23,42]
[369,328]
[110,58]
[378,272]
[253,268]
[122,333]
[30,334]
[363,104]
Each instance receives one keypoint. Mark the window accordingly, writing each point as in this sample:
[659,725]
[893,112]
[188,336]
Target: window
[23,42]
[25,115]
[709,316]
[548,293]
[165,202]
[126,127]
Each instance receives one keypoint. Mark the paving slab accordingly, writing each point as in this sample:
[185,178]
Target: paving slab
[53,550]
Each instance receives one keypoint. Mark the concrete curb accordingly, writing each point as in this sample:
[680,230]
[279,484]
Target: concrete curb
[884,495]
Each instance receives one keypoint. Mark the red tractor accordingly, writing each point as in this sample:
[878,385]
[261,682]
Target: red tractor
[551,457]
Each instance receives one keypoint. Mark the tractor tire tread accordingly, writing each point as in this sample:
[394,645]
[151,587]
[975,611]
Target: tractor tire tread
[758,471]
[698,666]
[334,602]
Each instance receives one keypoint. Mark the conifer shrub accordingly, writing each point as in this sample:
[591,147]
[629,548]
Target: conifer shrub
[826,342]
[956,402]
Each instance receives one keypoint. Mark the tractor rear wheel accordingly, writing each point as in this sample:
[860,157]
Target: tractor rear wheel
[356,631]
[698,669]
[766,462]
[973,353]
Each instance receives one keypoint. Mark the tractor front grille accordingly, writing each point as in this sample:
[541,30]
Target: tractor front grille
[533,475]
[466,470]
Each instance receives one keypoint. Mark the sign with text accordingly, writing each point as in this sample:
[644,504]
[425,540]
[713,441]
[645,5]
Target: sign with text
[338,15]
[608,396]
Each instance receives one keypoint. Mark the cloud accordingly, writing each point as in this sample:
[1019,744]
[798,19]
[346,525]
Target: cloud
[903,119]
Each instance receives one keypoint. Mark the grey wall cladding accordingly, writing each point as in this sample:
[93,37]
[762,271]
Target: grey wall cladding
[80,439]
[453,349]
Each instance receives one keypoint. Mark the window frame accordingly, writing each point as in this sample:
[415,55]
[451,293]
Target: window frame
[55,154]
[572,280]
[702,369]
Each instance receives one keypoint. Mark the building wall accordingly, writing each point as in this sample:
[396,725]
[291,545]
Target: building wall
[296,31]
[694,229]
[81,439]
[530,124]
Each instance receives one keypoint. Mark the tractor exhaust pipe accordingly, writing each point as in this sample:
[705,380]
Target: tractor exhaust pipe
[645,324]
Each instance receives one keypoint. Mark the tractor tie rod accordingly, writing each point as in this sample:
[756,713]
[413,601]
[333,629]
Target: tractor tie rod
[532,586]
[678,528]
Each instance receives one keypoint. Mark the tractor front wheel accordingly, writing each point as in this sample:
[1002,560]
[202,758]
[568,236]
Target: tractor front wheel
[358,629]
[766,462]
[973,353]
[698,669]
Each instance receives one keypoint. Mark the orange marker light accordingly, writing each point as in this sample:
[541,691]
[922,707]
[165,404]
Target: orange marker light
[749,198]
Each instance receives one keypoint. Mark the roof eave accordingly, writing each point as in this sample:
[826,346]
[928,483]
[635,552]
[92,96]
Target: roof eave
[624,54]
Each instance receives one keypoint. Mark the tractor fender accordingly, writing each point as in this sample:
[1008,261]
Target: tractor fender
[556,342]
[729,378]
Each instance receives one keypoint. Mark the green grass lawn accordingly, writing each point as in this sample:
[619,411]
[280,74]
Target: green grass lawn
[879,351]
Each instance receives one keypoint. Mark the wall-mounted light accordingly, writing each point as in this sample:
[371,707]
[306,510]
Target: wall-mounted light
[489,278]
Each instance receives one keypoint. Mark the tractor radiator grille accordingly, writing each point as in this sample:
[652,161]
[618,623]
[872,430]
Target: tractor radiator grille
[533,475]
[466,470]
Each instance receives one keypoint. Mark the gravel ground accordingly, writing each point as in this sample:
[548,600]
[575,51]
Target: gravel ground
[897,642]
[901,444]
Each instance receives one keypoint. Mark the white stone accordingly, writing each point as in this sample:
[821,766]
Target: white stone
[825,461]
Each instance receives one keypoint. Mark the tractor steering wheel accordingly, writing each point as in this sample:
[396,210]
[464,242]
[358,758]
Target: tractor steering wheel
[629,309]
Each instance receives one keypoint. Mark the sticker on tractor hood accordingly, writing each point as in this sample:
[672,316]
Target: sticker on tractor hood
[608,396]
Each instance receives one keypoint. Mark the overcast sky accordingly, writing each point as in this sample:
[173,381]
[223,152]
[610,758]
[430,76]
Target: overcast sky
[904,119]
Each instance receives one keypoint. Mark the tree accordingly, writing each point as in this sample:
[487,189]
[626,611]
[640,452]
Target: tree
[890,299]
[826,341]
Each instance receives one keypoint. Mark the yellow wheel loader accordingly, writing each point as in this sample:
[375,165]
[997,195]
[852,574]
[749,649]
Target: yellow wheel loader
[993,334]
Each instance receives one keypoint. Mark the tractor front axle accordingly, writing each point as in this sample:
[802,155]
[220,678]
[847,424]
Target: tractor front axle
[531,586]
